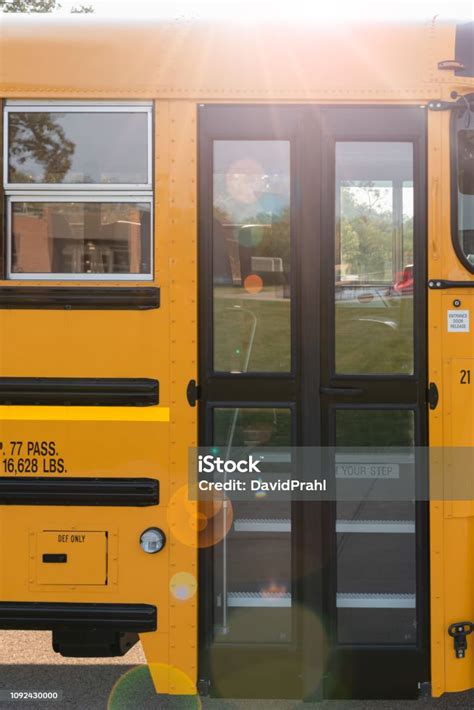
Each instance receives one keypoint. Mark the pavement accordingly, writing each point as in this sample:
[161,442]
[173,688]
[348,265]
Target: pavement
[27,662]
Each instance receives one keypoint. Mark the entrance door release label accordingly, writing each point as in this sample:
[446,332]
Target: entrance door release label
[458,321]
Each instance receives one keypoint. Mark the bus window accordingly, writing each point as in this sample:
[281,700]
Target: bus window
[464,239]
[77,146]
[64,232]
[83,238]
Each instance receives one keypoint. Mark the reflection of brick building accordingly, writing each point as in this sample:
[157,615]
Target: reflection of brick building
[32,248]
[65,241]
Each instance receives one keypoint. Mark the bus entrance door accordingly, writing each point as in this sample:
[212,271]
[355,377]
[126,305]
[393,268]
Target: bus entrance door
[312,252]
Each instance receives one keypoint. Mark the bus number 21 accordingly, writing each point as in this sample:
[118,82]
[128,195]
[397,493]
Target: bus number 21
[465,377]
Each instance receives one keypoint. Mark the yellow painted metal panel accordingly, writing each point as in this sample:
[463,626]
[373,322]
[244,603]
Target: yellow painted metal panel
[174,666]
[451,355]
[85,555]
[134,576]
[74,343]
[85,448]
[215,60]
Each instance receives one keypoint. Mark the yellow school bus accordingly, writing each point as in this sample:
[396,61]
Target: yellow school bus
[238,233]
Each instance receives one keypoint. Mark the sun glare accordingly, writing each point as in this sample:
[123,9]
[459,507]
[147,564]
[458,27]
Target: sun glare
[248,10]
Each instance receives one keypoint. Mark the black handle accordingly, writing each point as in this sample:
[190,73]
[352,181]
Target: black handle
[54,557]
[341,391]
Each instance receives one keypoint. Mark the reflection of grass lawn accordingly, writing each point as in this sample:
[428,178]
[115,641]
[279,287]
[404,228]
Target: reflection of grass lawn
[368,340]
[233,328]
[375,340]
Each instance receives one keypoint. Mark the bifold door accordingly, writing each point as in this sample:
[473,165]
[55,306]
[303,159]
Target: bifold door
[312,311]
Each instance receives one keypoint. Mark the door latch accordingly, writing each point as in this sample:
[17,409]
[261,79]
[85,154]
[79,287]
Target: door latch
[459,633]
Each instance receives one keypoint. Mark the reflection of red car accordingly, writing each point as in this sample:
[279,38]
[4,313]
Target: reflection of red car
[404,283]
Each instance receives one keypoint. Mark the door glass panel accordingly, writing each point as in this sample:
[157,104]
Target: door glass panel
[252,563]
[251,256]
[374,258]
[376,550]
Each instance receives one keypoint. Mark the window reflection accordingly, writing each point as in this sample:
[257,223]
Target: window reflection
[465,181]
[374,258]
[251,256]
[78,147]
[81,238]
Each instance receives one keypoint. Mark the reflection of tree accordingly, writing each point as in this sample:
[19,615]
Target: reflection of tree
[30,6]
[277,241]
[38,137]
[366,232]
[273,241]
[221,215]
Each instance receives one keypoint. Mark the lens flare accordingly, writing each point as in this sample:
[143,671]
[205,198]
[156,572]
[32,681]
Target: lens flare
[202,524]
[249,625]
[251,235]
[183,586]
[253,283]
[134,689]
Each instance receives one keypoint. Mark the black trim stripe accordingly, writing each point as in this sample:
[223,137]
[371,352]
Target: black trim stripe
[79,391]
[465,48]
[438,284]
[52,615]
[117,492]
[88,298]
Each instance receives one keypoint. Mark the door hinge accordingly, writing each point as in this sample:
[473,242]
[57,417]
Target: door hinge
[433,395]
[193,392]
[459,632]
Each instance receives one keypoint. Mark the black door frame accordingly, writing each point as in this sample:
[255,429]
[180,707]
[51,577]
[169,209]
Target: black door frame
[366,669]
[313,131]
[280,674]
